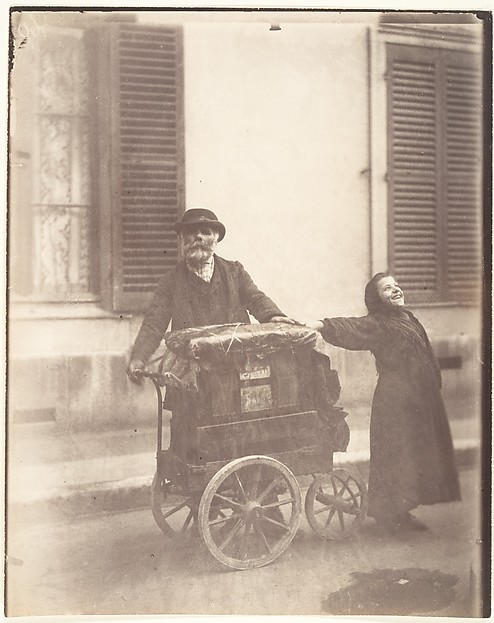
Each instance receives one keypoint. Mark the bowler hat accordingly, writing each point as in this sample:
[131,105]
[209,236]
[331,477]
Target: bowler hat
[195,216]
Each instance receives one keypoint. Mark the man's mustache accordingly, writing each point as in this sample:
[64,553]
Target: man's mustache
[199,245]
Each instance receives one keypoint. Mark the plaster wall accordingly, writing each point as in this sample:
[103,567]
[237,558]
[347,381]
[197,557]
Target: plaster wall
[276,144]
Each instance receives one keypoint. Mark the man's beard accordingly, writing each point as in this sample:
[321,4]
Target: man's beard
[198,253]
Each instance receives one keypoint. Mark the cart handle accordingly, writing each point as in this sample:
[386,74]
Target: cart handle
[156,378]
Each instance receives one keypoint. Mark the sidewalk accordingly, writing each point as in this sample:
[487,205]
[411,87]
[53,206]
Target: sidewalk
[61,475]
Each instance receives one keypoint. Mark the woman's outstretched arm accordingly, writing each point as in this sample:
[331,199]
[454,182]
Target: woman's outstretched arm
[351,333]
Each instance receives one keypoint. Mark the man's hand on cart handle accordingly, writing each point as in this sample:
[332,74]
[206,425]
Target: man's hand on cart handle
[285,319]
[135,371]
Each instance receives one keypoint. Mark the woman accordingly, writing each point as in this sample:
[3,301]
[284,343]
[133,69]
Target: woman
[411,450]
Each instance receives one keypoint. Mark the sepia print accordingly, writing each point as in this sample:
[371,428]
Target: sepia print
[247,297]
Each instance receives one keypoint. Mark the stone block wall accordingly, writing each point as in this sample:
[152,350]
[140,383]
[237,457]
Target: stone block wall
[91,391]
[79,392]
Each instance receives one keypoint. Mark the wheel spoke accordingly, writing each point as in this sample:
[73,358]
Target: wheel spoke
[276,523]
[330,516]
[347,488]
[187,521]
[354,496]
[255,482]
[269,488]
[224,519]
[243,546]
[241,487]
[340,493]
[175,509]
[231,534]
[258,529]
[322,495]
[227,500]
[175,512]
[342,520]
[324,508]
[278,503]
[333,482]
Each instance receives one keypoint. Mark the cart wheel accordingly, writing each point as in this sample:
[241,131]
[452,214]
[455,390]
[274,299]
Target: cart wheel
[250,512]
[173,513]
[336,504]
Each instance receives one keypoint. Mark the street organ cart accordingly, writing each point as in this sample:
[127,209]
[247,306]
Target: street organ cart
[253,407]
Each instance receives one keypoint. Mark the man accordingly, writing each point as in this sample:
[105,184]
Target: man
[203,289]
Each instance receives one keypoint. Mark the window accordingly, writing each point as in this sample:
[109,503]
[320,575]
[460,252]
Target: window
[434,172]
[96,160]
[50,200]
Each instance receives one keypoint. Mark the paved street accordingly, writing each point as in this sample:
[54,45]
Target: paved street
[121,564]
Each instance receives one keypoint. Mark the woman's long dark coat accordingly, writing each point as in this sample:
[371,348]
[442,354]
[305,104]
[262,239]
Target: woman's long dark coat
[411,451]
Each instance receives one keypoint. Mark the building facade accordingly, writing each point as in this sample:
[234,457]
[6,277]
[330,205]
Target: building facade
[331,145]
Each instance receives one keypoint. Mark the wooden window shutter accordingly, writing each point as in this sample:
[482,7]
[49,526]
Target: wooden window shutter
[145,159]
[412,171]
[434,170]
[463,170]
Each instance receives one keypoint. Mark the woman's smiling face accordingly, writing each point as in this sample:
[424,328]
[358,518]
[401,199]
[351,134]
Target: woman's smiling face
[390,292]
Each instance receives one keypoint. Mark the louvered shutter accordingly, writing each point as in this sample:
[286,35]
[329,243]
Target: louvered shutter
[147,156]
[434,172]
[413,184]
[463,176]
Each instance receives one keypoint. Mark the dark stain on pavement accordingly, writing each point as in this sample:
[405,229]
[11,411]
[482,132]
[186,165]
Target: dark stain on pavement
[393,592]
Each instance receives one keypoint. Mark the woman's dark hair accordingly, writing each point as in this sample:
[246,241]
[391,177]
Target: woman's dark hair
[372,299]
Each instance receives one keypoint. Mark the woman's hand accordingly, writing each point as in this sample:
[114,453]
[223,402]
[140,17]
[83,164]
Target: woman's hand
[317,325]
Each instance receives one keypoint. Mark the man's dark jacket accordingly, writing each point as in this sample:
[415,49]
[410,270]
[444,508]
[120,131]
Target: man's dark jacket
[189,301]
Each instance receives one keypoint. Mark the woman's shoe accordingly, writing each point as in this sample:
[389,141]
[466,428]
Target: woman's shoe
[409,522]
[400,523]
[387,525]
